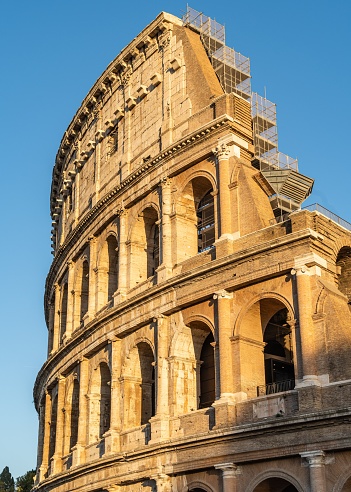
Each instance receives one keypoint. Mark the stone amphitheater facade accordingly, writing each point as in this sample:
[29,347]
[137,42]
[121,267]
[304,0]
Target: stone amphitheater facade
[199,328]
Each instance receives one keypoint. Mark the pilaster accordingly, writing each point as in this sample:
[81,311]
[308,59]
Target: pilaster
[112,437]
[120,295]
[164,271]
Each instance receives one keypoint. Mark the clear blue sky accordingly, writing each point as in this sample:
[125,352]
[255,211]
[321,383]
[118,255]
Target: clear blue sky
[51,54]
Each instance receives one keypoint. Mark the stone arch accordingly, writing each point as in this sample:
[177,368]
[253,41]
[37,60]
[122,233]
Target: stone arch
[264,342]
[144,245]
[194,233]
[139,384]
[71,417]
[81,291]
[343,483]
[107,268]
[197,486]
[99,398]
[282,482]
[192,351]
[63,310]
[343,264]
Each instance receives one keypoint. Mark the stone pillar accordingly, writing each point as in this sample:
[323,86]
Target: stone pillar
[43,467]
[78,451]
[160,422]
[112,436]
[306,327]
[224,330]
[163,482]
[315,460]
[222,153]
[165,269]
[51,321]
[230,473]
[120,295]
[57,457]
[56,332]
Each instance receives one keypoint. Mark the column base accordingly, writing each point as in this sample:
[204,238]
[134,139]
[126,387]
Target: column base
[163,273]
[308,380]
[112,442]
[78,455]
[159,428]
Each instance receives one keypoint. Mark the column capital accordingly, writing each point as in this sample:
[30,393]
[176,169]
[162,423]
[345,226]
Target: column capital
[313,459]
[223,294]
[222,151]
[229,469]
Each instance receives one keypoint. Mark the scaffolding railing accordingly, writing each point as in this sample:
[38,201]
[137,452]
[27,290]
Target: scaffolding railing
[315,207]
[262,107]
[203,24]
[277,160]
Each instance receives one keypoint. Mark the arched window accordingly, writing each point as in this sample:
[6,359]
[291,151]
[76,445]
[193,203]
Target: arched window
[63,311]
[53,425]
[84,293]
[278,355]
[343,261]
[74,414]
[207,373]
[112,273]
[144,247]
[205,222]
[147,373]
[105,399]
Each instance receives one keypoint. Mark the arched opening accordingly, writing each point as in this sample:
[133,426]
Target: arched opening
[84,291]
[275,485]
[105,399]
[195,219]
[203,352]
[53,425]
[264,347]
[63,311]
[74,415]
[343,261]
[147,383]
[112,273]
[207,373]
[144,247]
[347,486]
[205,222]
[278,354]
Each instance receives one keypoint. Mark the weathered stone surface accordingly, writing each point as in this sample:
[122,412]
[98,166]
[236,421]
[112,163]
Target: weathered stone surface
[194,343]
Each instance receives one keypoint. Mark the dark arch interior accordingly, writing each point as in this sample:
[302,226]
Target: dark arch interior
[275,485]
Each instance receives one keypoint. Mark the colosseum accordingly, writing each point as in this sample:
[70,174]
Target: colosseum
[198,317]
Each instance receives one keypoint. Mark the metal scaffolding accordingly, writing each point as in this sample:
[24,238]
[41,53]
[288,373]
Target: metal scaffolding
[280,172]
[232,68]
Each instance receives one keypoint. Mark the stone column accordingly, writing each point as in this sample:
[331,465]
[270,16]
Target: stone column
[78,451]
[122,258]
[230,473]
[112,437]
[306,326]
[222,153]
[315,460]
[43,467]
[224,300]
[57,457]
[165,269]
[51,321]
[160,423]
